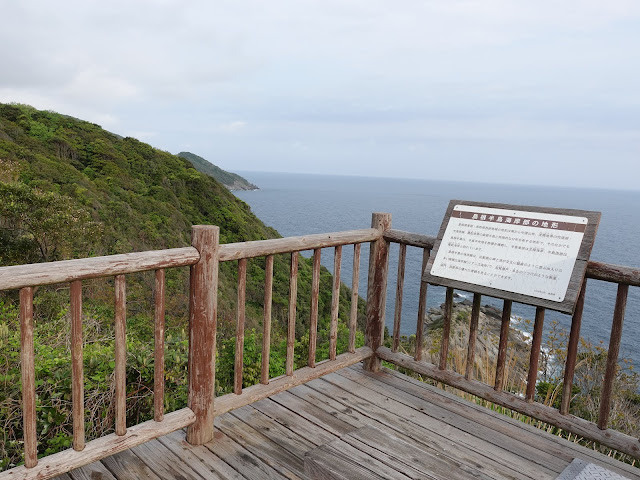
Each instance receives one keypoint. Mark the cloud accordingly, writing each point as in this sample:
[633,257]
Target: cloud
[233,127]
[343,79]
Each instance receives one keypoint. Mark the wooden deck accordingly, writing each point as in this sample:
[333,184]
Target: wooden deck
[363,424]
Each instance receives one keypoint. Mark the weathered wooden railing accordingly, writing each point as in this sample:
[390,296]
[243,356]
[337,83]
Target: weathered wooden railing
[25,278]
[240,252]
[204,257]
[622,276]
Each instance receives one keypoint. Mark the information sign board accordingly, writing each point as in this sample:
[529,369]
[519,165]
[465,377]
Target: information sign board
[527,254]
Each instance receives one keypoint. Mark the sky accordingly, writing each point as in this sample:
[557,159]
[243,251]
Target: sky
[520,92]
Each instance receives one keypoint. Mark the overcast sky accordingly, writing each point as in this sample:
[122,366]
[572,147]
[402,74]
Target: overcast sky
[544,92]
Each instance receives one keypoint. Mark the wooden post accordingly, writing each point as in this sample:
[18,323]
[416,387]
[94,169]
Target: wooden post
[572,351]
[158,350]
[535,354]
[446,329]
[377,290]
[313,317]
[240,318]
[121,354]
[203,306]
[355,281]
[27,359]
[612,355]
[473,336]
[291,326]
[77,376]
[502,345]
[422,307]
[397,317]
[335,303]
[266,333]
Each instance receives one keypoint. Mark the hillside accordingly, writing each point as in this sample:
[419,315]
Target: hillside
[69,189]
[230,180]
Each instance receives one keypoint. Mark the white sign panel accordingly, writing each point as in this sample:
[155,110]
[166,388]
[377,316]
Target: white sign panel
[529,253]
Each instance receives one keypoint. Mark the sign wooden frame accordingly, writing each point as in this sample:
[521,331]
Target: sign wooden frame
[567,305]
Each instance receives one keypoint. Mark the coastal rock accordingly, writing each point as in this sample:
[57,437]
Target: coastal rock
[486,350]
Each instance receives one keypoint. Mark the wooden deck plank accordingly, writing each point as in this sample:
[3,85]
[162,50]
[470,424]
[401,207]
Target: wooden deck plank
[489,436]
[163,462]
[445,438]
[325,464]
[406,456]
[212,465]
[364,413]
[262,446]
[128,466]
[496,421]
[363,425]
[296,423]
[359,460]
[241,459]
[313,413]
[93,471]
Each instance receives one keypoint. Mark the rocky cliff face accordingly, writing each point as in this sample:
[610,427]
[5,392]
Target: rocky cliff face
[486,351]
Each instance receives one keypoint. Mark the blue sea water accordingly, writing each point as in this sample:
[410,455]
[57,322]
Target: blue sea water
[298,204]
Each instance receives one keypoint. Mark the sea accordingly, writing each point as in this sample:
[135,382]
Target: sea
[299,204]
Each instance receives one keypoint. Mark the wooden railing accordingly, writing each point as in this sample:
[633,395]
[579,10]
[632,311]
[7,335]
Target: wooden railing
[204,257]
[25,278]
[622,276]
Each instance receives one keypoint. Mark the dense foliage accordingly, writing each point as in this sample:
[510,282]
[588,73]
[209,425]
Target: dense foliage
[230,180]
[69,189]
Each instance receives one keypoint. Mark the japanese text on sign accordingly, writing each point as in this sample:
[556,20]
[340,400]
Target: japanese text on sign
[529,253]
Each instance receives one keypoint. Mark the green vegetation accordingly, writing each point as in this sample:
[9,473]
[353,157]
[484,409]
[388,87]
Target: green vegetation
[69,189]
[230,180]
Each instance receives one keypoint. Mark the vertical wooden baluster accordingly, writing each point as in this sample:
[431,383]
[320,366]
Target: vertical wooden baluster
[293,296]
[121,354]
[502,346]
[612,355]
[203,324]
[313,321]
[446,329]
[266,333]
[572,351]
[28,377]
[535,354]
[397,317]
[335,303]
[377,290]
[77,375]
[355,281]
[422,307]
[240,317]
[473,336]
[158,352]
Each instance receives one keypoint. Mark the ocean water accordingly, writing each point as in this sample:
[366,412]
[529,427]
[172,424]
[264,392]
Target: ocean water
[297,204]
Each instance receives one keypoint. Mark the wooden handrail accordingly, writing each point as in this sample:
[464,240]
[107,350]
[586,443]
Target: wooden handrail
[408,238]
[607,272]
[262,248]
[19,276]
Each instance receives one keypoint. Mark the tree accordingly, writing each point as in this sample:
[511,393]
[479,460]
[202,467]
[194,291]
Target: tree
[38,226]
